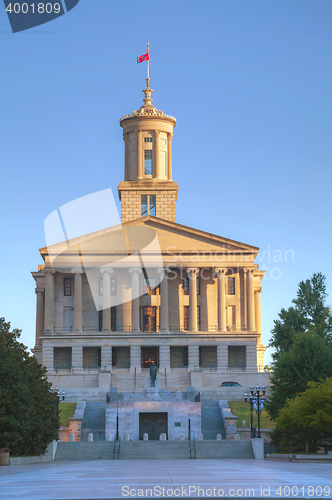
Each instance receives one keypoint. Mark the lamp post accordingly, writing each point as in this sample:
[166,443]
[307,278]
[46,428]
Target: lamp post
[257,403]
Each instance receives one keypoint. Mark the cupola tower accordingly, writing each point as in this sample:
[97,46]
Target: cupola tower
[148,188]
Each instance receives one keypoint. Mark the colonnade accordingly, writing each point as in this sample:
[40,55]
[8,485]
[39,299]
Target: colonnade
[45,315]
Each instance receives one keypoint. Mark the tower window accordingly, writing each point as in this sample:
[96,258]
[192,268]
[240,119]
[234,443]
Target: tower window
[148,205]
[152,204]
[144,205]
[231,286]
[148,161]
[147,139]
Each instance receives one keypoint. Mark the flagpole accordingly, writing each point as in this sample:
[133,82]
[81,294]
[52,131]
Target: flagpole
[148,64]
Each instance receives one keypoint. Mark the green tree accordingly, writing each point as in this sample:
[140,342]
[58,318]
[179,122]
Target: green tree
[309,314]
[29,418]
[308,359]
[307,419]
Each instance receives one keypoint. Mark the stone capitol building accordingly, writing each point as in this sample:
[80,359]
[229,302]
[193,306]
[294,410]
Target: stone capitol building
[149,290]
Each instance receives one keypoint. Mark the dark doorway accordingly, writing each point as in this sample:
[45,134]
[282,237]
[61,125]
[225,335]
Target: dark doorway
[149,354]
[153,424]
[149,319]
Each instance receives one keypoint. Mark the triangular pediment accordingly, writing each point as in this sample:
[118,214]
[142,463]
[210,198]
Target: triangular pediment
[162,240]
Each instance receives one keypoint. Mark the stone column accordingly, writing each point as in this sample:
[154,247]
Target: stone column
[77,299]
[192,273]
[164,318]
[258,318]
[106,271]
[221,298]
[222,358]
[156,154]
[48,358]
[193,357]
[139,155]
[250,299]
[169,156]
[126,141]
[77,358]
[49,300]
[39,316]
[135,359]
[164,359]
[135,322]
[106,357]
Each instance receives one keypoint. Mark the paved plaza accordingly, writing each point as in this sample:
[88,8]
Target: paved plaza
[165,478]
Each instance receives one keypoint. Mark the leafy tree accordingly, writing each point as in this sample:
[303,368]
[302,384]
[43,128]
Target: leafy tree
[308,359]
[29,418]
[307,419]
[309,314]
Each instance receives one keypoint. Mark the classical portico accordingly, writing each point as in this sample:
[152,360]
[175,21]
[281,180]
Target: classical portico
[191,303]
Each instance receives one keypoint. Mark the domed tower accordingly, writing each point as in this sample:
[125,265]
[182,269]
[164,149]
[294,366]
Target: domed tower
[148,188]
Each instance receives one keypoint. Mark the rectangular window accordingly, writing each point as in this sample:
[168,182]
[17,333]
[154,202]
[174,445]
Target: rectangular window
[198,285]
[186,286]
[101,286]
[113,286]
[67,287]
[113,356]
[144,205]
[231,286]
[148,161]
[147,139]
[185,356]
[100,320]
[113,318]
[152,205]
[198,317]
[186,317]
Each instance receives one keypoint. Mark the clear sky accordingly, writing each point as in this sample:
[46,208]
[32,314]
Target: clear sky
[250,83]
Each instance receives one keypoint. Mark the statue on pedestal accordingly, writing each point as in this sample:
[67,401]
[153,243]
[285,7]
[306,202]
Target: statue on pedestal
[153,374]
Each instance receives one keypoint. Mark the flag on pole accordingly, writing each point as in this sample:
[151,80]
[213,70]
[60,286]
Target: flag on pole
[144,57]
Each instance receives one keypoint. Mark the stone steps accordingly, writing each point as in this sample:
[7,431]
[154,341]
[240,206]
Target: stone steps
[94,421]
[212,422]
[157,450]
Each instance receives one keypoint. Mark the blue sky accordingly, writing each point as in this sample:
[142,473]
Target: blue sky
[250,85]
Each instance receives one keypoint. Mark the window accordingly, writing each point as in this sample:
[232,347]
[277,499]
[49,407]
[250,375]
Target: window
[148,161]
[113,318]
[101,286]
[198,317]
[186,318]
[113,286]
[148,205]
[100,320]
[198,285]
[144,205]
[113,356]
[67,287]
[231,286]
[186,286]
[147,139]
[152,204]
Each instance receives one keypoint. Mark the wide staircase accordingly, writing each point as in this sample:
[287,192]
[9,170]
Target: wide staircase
[212,422]
[94,421]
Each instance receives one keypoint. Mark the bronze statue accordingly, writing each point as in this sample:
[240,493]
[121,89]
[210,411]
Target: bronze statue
[153,374]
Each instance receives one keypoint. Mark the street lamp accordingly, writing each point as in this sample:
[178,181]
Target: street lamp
[256,402]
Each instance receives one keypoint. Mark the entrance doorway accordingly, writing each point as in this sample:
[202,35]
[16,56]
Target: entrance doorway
[150,354]
[153,424]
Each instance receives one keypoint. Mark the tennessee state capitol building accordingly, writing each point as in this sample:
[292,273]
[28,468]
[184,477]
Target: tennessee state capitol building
[111,302]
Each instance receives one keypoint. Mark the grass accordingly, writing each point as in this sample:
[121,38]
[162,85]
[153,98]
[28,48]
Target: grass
[242,410]
[67,410]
